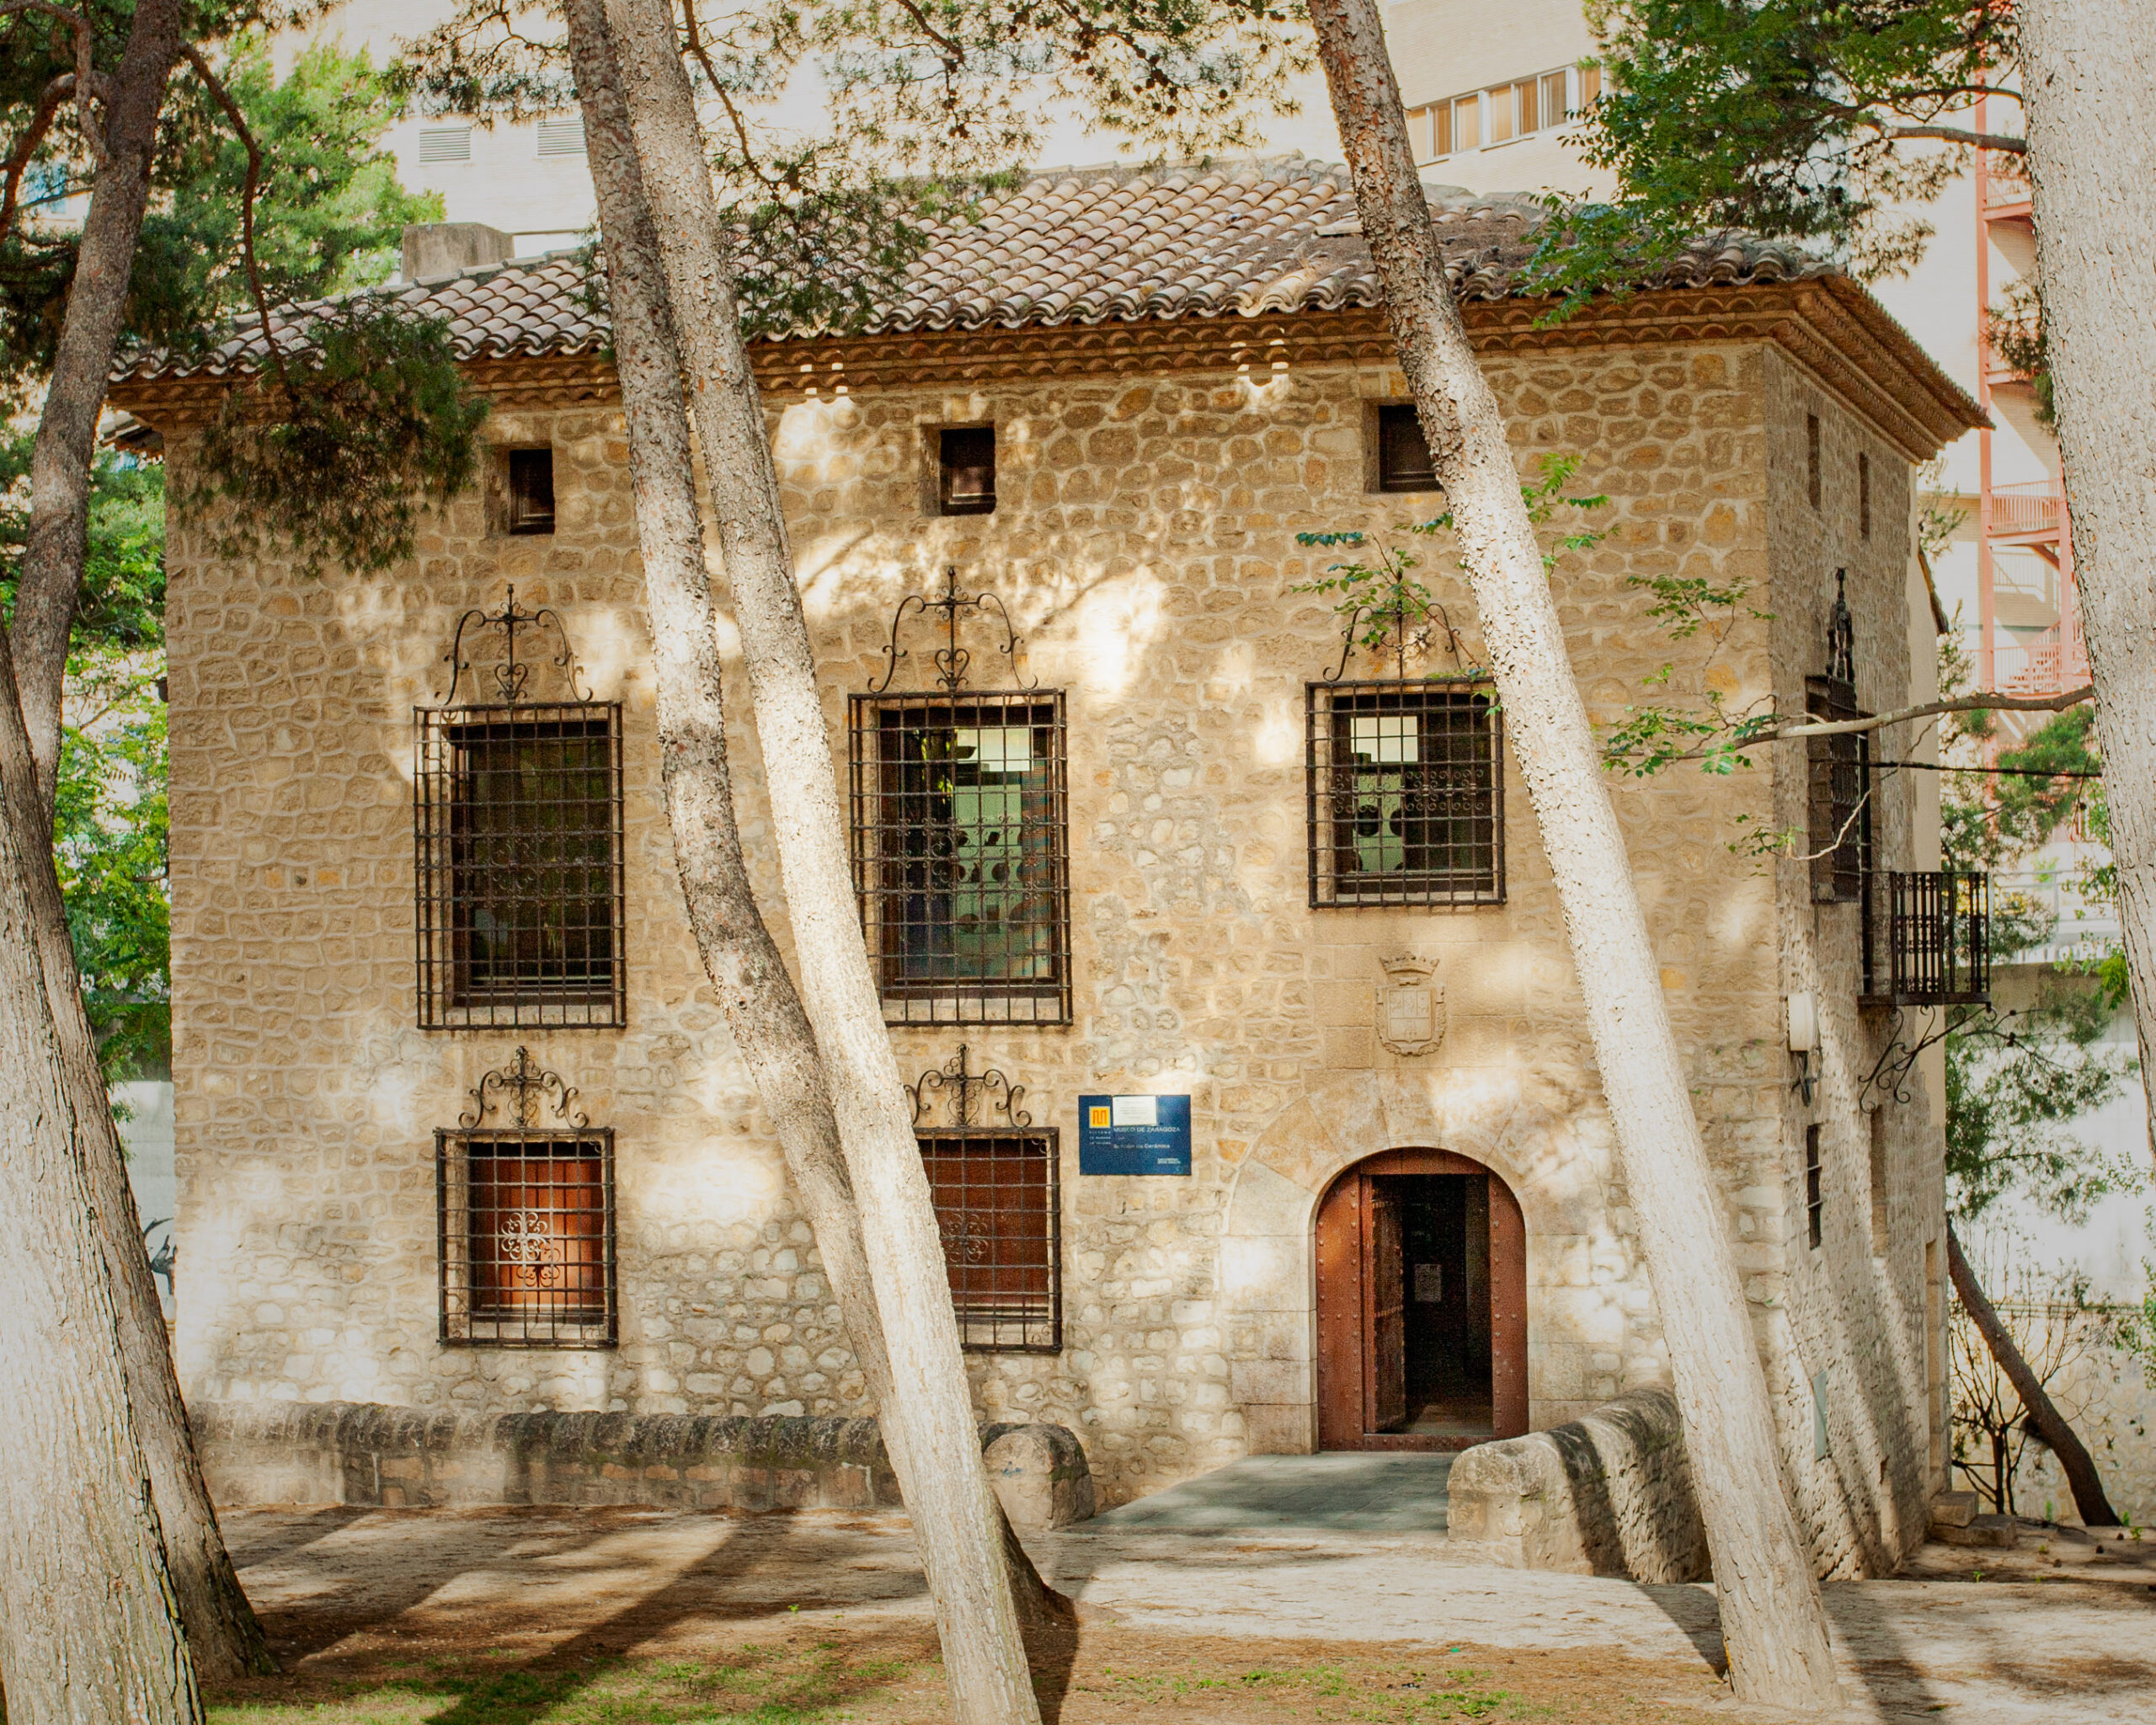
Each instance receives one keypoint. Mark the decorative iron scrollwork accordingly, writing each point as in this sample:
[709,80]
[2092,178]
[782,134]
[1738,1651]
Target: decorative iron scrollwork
[512,674]
[1841,634]
[532,1086]
[966,1087]
[952,661]
[1890,1073]
[1396,620]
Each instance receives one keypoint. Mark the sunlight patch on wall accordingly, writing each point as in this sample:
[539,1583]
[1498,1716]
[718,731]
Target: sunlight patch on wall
[1116,623]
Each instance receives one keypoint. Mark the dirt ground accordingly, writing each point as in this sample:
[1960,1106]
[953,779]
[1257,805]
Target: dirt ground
[577,1616]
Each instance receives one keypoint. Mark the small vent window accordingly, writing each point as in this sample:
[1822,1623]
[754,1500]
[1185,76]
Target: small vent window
[526,1224]
[1815,1189]
[530,491]
[966,475]
[1811,458]
[999,1209]
[1864,496]
[445,143]
[562,135]
[1406,794]
[1404,462]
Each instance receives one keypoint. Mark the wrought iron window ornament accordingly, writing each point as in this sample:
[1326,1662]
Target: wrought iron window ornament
[1393,620]
[1841,634]
[512,674]
[532,1085]
[965,1088]
[953,661]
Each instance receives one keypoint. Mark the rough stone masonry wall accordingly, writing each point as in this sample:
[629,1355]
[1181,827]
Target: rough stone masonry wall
[1143,541]
[1852,1313]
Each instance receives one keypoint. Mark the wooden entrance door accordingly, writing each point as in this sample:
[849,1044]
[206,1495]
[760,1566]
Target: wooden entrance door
[1361,1306]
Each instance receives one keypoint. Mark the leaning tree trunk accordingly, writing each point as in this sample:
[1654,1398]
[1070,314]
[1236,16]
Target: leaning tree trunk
[1772,1619]
[927,1421]
[89,1623]
[763,1009]
[2044,1416]
[2085,82]
[51,574]
[223,1634]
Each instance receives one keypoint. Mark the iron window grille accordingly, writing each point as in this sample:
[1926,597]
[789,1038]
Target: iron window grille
[961,836]
[1934,949]
[517,828]
[999,1210]
[1815,1189]
[1405,793]
[524,1218]
[1838,796]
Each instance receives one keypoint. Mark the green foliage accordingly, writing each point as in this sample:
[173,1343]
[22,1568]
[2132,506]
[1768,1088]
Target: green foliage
[329,216]
[122,602]
[1782,117]
[1654,735]
[334,456]
[1387,608]
[2013,329]
[927,106]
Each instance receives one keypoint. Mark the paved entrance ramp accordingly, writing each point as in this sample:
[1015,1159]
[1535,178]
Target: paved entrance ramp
[1339,1492]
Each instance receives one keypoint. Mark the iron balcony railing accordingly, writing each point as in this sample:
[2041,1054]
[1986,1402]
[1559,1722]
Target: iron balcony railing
[1928,939]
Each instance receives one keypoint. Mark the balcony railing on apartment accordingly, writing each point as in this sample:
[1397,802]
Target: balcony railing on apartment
[2030,511]
[1928,939]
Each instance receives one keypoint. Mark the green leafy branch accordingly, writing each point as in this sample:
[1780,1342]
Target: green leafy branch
[1386,607]
[1658,735]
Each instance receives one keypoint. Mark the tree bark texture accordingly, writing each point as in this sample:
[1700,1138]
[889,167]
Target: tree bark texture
[89,1621]
[2091,113]
[1772,1618]
[924,1405]
[51,571]
[2044,1418]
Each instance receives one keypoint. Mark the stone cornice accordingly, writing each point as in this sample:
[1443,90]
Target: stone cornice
[1829,325]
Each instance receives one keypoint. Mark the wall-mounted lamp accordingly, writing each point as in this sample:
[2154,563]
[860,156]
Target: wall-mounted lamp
[1803,1042]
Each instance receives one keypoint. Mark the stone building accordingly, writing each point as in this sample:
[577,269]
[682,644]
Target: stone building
[1287,1132]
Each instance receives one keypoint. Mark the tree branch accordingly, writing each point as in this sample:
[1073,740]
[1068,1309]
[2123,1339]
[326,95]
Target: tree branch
[1957,134]
[1988,703]
[247,259]
[55,93]
[87,81]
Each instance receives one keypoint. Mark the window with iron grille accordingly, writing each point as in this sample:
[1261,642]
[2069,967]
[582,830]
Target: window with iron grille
[1934,949]
[1839,807]
[999,1209]
[1405,793]
[960,854]
[1814,1188]
[517,818]
[525,1221]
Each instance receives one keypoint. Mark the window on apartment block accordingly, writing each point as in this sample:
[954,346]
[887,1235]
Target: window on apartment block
[1405,796]
[961,854]
[517,817]
[528,493]
[966,470]
[525,1221]
[999,1209]
[1814,1188]
[1403,455]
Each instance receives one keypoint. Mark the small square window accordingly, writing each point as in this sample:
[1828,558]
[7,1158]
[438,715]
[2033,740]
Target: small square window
[1404,462]
[999,1209]
[966,475]
[525,1221]
[530,503]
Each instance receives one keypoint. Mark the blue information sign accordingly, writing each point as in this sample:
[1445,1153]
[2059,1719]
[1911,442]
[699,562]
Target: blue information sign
[1133,1134]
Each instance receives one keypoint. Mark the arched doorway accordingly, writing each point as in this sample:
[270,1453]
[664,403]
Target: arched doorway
[1422,1305]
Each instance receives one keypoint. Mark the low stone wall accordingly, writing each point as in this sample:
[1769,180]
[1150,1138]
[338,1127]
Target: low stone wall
[359,1452]
[1607,1494]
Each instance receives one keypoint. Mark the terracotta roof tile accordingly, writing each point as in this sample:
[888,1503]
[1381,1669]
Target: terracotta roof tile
[1078,246]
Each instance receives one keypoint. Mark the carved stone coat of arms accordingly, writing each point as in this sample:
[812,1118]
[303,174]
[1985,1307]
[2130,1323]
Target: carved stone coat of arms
[1411,1006]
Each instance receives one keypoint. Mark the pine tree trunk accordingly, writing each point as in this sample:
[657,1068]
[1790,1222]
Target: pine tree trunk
[89,1623]
[223,1634]
[2044,1418]
[2091,113]
[763,1009]
[927,1415]
[51,574]
[1772,1619]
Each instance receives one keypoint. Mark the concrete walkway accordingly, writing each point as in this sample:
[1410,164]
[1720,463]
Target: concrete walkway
[1341,1491]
